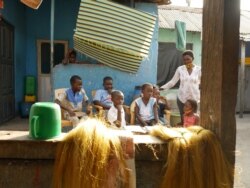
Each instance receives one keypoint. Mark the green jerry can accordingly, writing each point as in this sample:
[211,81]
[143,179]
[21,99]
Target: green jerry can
[30,85]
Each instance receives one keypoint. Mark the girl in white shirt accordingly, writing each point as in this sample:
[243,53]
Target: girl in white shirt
[189,75]
[146,107]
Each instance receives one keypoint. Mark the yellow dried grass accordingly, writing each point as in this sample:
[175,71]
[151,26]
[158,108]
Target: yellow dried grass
[194,160]
[90,157]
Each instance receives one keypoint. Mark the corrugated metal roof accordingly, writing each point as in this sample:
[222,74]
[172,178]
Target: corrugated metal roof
[191,16]
[193,19]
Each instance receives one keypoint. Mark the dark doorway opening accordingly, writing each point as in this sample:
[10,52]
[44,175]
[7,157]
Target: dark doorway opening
[7,82]
[169,59]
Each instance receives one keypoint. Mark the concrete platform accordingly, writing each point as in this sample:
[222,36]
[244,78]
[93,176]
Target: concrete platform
[242,146]
[242,153]
[33,160]
[17,124]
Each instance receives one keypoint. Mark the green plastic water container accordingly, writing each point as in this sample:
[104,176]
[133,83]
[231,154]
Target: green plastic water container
[30,85]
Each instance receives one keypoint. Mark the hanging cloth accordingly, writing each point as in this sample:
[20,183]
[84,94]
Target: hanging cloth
[180,35]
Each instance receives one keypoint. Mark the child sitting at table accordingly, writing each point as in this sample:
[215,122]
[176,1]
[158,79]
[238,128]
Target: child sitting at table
[146,107]
[72,100]
[190,117]
[162,105]
[103,96]
[116,114]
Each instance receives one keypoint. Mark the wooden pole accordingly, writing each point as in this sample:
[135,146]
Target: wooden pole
[220,47]
[52,23]
[242,78]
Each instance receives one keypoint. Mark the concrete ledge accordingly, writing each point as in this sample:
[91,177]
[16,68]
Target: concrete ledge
[18,145]
[25,162]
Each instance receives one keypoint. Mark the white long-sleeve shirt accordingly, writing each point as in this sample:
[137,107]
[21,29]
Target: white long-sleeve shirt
[189,83]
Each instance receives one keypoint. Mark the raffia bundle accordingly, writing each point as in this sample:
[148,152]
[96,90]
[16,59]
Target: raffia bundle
[195,159]
[90,156]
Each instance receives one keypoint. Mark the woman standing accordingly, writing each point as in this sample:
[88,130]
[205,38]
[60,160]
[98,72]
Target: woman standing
[189,75]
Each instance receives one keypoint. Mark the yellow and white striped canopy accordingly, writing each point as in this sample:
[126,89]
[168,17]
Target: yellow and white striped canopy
[115,35]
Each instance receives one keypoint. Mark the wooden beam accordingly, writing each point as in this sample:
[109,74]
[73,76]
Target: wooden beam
[242,78]
[220,56]
[52,37]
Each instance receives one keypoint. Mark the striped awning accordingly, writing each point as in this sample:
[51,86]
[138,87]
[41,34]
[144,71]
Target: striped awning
[115,35]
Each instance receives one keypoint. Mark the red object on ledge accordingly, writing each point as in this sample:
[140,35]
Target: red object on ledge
[1,3]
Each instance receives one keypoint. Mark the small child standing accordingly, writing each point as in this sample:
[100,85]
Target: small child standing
[146,107]
[116,114]
[190,116]
[73,99]
[162,105]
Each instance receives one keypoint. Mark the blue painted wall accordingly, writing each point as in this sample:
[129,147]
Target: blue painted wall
[31,25]
[14,13]
[38,27]
[93,74]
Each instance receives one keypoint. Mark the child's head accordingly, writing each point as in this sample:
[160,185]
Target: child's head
[72,56]
[76,83]
[117,97]
[147,90]
[156,92]
[190,106]
[108,83]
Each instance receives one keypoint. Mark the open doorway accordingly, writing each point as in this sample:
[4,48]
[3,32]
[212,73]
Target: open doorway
[7,78]
[169,59]
[43,64]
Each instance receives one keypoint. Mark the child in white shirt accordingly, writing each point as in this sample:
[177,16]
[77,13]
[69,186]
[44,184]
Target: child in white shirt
[116,114]
[146,107]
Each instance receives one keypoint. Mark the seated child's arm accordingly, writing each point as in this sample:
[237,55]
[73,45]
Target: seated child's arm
[86,102]
[156,113]
[115,118]
[97,100]
[71,113]
[137,114]
[118,122]
[101,104]
[165,102]
[88,106]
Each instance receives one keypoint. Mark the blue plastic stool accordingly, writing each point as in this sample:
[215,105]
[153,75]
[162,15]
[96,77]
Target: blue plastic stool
[25,109]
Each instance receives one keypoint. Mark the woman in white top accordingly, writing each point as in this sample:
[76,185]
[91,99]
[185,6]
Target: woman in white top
[189,75]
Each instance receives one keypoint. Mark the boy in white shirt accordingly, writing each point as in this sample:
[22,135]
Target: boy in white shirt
[116,114]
